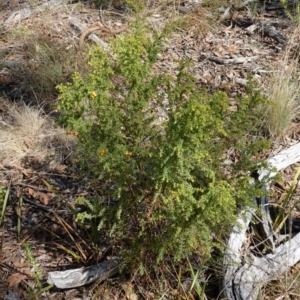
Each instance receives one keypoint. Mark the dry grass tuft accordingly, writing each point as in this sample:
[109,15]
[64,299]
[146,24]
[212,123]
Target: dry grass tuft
[44,54]
[287,287]
[26,132]
[284,93]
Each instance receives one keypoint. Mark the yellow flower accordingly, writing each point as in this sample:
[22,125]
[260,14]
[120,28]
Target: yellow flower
[72,132]
[128,154]
[102,152]
[93,95]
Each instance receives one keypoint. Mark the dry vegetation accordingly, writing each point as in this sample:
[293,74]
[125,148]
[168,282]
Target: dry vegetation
[28,133]
[284,91]
[40,52]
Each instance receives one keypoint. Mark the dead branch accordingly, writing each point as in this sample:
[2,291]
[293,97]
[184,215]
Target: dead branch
[228,61]
[267,29]
[246,274]
[79,277]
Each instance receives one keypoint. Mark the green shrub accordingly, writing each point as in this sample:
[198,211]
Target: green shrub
[164,184]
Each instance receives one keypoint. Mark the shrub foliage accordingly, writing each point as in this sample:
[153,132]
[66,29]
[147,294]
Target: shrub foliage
[157,144]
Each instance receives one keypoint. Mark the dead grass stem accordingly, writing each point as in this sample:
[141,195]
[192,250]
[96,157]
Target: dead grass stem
[284,92]
[28,133]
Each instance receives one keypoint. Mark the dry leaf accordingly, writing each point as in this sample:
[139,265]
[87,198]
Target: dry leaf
[29,273]
[132,296]
[43,198]
[232,48]
[60,168]
[29,191]
[23,264]
[217,54]
[14,279]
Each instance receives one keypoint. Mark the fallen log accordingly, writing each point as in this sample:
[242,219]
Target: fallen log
[245,274]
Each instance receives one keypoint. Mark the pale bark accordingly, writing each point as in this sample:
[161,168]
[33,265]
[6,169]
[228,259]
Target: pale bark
[246,273]
[78,277]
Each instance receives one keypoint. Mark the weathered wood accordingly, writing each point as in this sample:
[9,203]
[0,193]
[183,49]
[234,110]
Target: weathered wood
[246,274]
[270,4]
[25,13]
[267,29]
[281,161]
[79,277]
[277,4]
[93,37]
[245,3]
[13,64]
[257,271]
[228,61]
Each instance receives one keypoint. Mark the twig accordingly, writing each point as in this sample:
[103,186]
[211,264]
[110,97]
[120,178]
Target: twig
[228,61]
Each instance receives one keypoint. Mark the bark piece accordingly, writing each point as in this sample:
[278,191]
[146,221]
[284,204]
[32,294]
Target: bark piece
[79,277]
[281,161]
